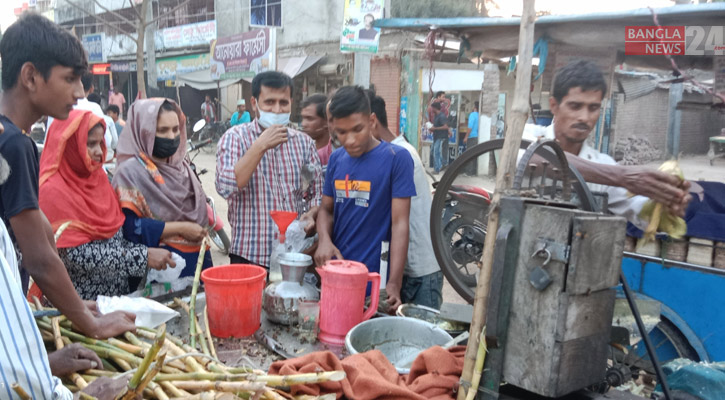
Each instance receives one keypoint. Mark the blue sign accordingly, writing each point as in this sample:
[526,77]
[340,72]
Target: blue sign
[93,43]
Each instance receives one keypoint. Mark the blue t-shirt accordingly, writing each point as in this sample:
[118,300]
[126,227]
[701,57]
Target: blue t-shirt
[473,124]
[237,119]
[363,189]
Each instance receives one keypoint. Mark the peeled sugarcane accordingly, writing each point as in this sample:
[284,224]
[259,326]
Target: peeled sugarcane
[661,220]
[269,380]
[195,288]
[219,386]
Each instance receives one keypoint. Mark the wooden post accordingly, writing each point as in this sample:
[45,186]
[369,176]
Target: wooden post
[504,179]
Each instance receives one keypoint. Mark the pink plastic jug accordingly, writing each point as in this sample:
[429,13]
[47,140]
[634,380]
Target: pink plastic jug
[342,299]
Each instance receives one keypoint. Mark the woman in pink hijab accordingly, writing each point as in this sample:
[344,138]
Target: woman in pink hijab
[160,195]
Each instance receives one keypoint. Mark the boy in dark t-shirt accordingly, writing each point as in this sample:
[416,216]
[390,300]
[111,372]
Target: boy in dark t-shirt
[366,198]
[42,66]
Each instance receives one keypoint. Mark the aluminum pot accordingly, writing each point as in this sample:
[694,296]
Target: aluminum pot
[396,337]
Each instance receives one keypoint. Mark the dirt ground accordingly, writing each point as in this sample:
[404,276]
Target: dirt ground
[694,168]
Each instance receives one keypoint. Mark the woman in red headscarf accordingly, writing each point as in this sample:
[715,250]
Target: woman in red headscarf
[75,189]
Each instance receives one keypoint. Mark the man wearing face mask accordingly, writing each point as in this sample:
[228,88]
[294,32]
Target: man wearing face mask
[258,170]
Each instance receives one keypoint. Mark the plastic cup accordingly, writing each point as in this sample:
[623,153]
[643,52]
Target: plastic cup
[308,318]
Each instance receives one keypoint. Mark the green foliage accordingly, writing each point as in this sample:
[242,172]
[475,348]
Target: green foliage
[433,8]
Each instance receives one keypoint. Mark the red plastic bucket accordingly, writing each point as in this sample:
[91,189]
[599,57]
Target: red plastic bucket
[234,299]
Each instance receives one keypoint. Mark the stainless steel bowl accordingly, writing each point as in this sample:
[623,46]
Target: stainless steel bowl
[399,338]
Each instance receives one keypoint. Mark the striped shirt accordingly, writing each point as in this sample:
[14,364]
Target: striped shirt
[276,184]
[23,359]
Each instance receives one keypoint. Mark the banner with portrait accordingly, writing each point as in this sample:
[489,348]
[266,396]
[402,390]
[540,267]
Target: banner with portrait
[358,33]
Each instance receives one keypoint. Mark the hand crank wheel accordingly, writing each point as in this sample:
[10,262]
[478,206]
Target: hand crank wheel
[458,232]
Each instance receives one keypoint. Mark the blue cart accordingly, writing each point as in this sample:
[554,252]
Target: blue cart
[692,297]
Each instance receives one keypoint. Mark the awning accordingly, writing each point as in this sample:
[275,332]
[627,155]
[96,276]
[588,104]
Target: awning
[294,66]
[201,80]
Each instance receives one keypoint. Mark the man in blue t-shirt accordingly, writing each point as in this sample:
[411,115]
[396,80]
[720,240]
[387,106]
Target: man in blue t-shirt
[365,208]
[471,138]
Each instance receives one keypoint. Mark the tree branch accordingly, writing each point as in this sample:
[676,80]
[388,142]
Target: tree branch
[102,20]
[124,19]
[138,14]
[166,13]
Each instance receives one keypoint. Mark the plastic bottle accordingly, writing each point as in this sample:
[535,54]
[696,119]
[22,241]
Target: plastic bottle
[275,271]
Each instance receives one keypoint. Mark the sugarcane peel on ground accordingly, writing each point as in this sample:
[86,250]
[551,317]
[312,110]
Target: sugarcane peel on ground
[661,220]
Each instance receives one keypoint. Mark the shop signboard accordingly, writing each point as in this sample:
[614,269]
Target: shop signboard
[358,33]
[244,54]
[93,43]
[187,35]
[168,68]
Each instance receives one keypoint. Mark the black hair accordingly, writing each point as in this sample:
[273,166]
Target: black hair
[35,39]
[439,93]
[349,100]
[580,73]
[271,79]
[113,108]
[475,105]
[377,107]
[437,106]
[87,81]
[95,98]
[96,126]
[319,101]
[167,106]
[369,15]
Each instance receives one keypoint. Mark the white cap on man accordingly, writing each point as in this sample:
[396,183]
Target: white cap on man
[241,102]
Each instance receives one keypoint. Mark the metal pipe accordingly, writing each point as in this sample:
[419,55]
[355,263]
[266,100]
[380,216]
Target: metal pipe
[645,337]
[677,264]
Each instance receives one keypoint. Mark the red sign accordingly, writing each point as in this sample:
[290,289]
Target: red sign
[652,40]
[101,69]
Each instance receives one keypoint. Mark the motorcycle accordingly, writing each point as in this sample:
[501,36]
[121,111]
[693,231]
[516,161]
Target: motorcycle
[217,234]
[464,220]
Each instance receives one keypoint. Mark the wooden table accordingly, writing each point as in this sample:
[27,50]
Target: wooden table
[717,145]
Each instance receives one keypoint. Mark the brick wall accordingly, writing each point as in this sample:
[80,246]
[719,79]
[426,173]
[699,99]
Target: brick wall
[385,77]
[646,117]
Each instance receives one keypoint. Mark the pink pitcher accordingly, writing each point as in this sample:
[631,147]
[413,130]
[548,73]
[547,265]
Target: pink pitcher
[342,300]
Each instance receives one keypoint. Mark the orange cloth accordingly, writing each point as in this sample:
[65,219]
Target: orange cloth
[434,375]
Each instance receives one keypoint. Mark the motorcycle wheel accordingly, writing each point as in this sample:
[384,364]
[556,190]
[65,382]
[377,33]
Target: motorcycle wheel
[220,240]
[464,252]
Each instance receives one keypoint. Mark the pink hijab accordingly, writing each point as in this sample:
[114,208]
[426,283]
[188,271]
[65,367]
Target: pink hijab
[167,191]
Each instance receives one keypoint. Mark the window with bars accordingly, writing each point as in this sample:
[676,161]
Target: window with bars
[265,13]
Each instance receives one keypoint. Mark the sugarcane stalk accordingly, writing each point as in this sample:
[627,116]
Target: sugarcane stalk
[134,387]
[190,361]
[219,386]
[123,364]
[36,302]
[193,320]
[478,367]
[133,349]
[149,376]
[194,289]
[270,394]
[208,333]
[100,372]
[157,391]
[20,392]
[85,396]
[104,352]
[269,380]
[55,325]
[108,366]
[174,391]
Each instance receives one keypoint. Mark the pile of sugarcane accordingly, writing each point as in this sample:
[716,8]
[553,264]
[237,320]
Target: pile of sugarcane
[162,366]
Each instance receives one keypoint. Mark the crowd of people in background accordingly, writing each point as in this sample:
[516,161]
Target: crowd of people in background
[370,204]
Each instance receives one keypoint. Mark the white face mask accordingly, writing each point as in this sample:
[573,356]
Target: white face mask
[267,119]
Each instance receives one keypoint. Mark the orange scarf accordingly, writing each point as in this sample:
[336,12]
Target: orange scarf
[73,187]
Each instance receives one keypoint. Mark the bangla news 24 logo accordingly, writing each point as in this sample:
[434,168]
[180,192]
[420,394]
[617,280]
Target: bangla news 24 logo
[674,40]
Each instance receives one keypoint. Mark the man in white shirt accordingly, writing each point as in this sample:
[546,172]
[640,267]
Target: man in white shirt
[23,359]
[110,136]
[422,276]
[576,101]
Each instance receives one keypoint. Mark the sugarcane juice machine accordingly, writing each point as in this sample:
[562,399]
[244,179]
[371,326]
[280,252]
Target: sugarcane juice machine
[555,270]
